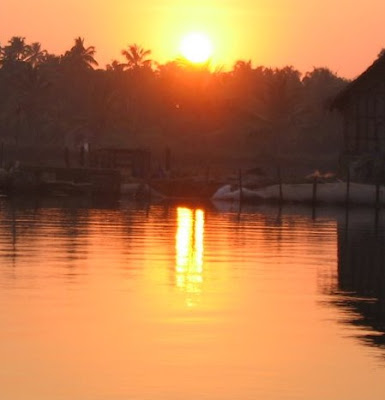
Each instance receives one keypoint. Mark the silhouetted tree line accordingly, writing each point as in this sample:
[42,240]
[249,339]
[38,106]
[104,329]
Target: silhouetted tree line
[64,100]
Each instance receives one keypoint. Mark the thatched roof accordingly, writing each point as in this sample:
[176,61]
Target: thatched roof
[373,75]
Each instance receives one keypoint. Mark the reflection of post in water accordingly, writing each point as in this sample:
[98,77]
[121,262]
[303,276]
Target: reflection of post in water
[189,250]
[72,229]
[14,234]
[13,228]
[361,275]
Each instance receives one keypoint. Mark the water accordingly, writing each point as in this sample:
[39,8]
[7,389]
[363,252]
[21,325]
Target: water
[123,301]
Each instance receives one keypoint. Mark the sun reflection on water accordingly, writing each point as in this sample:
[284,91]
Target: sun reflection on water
[189,252]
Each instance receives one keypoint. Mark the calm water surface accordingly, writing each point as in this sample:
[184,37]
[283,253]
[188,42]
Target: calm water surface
[129,302]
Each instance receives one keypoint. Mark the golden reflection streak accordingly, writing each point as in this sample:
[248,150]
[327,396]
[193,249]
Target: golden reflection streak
[189,251]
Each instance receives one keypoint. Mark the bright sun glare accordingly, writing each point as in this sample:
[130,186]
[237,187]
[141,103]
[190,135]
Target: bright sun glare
[196,47]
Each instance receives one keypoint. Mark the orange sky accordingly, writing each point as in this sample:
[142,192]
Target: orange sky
[345,36]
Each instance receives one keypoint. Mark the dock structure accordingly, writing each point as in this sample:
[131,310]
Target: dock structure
[133,162]
[66,181]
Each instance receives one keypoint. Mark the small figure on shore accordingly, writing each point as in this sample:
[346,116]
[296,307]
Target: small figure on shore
[84,148]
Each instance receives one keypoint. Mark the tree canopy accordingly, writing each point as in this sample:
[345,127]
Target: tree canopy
[66,99]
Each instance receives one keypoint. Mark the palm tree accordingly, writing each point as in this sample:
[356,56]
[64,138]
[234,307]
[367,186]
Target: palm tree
[136,57]
[34,54]
[81,56]
[242,66]
[281,107]
[15,51]
[99,114]
[321,85]
[115,66]
[31,87]
[26,108]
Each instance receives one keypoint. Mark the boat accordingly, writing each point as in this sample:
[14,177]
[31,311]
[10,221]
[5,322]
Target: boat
[185,188]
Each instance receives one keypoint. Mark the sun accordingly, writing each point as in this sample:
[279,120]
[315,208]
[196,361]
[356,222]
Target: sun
[196,47]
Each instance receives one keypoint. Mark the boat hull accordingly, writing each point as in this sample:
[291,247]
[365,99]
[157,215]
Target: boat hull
[185,189]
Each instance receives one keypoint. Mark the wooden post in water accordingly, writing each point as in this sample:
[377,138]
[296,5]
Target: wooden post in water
[240,184]
[347,199]
[149,191]
[314,198]
[280,185]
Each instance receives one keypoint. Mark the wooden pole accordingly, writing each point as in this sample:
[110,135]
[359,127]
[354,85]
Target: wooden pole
[280,185]
[149,193]
[240,187]
[347,199]
[346,221]
[315,182]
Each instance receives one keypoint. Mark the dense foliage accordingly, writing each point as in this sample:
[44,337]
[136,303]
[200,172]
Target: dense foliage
[64,100]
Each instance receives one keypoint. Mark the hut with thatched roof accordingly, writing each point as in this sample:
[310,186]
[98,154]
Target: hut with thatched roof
[362,106]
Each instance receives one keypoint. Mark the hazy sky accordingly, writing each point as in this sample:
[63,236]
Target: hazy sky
[343,35]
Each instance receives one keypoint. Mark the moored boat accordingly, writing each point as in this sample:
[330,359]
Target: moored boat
[184,188]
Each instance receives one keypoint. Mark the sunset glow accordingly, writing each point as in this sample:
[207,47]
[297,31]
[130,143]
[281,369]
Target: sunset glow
[268,33]
[196,47]
[189,251]
[191,200]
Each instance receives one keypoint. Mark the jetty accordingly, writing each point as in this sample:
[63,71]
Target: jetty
[44,180]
